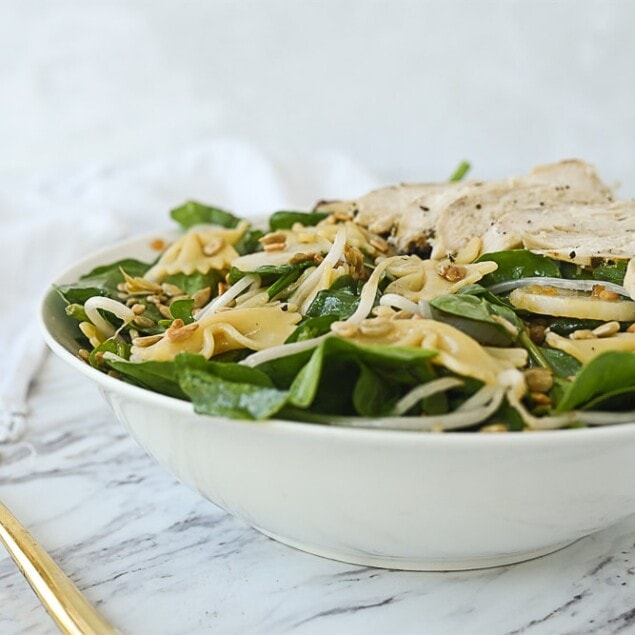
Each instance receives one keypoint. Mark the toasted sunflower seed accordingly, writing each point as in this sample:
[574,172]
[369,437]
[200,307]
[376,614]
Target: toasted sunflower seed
[202,297]
[144,342]
[607,329]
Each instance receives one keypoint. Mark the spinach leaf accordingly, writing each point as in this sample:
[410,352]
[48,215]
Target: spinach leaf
[182,309]
[153,375]
[286,220]
[508,416]
[562,364]
[340,375]
[312,327]
[191,283]
[477,317]
[565,326]
[115,344]
[276,277]
[249,243]
[606,375]
[611,273]
[193,213]
[373,395]
[102,280]
[340,299]
[211,394]
[216,388]
[226,370]
[516,264]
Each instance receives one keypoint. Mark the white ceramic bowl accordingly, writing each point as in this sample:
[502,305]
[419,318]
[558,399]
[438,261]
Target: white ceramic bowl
[404,500]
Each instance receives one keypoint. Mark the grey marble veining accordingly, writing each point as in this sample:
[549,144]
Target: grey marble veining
[159,560]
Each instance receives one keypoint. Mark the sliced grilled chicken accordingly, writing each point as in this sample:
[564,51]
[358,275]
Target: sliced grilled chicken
[582,234]
[439,219]
[478,212]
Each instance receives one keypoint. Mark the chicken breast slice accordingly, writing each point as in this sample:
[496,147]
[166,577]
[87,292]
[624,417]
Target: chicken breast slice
[477,213]
[405,214]
[437,219]
[586,235]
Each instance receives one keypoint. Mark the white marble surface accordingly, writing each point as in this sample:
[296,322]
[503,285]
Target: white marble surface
[158,560]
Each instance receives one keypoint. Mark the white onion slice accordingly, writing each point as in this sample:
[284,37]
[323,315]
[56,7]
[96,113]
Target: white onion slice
[558,283]
[92,306]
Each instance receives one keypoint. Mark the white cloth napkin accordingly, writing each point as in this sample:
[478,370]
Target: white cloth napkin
[47,221]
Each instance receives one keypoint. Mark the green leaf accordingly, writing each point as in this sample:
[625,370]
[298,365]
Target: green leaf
[462,169]
[508,416]
[249,243]
[102,280]
[611,273]
[476,317]
[330,380]
[312,327]
[516,264]
[276,277]
[227,370]
[193,213]
[286,220]
[339,300]
[213,395]
[606,375]
[196,281]
[153,375]
[115,344]
[373,396]
[182,309]
[563,364]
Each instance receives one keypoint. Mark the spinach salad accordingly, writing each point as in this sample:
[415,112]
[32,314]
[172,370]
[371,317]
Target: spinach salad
[317,318]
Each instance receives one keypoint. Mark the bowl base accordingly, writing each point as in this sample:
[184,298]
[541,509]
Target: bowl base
[418,564]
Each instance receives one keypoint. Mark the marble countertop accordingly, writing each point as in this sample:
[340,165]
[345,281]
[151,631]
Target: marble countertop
[156,559]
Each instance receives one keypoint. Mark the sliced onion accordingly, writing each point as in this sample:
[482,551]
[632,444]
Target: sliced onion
[558,283]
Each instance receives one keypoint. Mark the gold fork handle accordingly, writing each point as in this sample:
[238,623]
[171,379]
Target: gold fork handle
[65,604]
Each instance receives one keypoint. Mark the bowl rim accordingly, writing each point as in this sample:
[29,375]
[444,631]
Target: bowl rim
[105,254]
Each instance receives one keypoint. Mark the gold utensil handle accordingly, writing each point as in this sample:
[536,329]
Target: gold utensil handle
[65,604]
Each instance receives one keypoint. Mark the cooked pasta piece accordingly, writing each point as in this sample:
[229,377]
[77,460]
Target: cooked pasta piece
[201,249]
[253,329]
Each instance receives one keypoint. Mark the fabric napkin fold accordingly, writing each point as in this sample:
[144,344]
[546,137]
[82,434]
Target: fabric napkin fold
[48,221]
